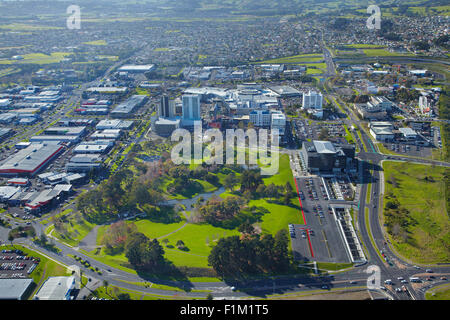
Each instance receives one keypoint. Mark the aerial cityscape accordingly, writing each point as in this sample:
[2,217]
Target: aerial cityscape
[224,150]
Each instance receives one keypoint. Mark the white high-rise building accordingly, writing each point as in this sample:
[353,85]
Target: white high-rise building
[191,107]
[260,118]
[278,122]
[312,100]
[424,104]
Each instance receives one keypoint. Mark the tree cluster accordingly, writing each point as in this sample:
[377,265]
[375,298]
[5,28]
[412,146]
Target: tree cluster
[120,193]
[115,237]
[235,257]
[144,253]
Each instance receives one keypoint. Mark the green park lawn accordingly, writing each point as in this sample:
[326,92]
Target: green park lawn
[280,215]
[384,53]
[364,46]
[96,43]
[296,59]
[26,27]
[284,173]
[76,231]
[156,230]
[40,58]
[426,201]
[200,238]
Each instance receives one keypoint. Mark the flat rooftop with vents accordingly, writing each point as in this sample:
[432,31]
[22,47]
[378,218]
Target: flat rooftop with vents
[30,160]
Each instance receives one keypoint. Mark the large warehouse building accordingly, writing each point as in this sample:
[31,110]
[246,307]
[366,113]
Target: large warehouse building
[129,106]
[15,289]
[30,160]
[324,156]
[56,288]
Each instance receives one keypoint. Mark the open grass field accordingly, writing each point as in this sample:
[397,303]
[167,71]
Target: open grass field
[155,229]
[296,59]
[161,49]
[425,200]
[364,46]
[8,71]
[280,215]
[439,293]
[384,53]
[77,229]
[26,27]
[199,239]
[38,58]
[96,43]
[284,174]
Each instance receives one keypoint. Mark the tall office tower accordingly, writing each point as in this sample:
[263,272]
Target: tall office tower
[312,100]
[164,107]
[191,107]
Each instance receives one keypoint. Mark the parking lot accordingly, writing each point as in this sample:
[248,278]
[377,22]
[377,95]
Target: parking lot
[409,149]
[16,264]
[319,239]
[307,129]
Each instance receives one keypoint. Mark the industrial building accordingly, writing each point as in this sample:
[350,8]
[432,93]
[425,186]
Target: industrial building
[379,102]
[382,131]
[5,133]
[5,103]
[70,131]
[55,139]
[107,90]
[107,134]
[56,288]
[15,289]
[137,68]
[8,117]
[98,146]
[30,160]
[84,163]
[286,91]
[129,106]
[75,122]
[408,133]
[324,156]
[114,124]
[39,201]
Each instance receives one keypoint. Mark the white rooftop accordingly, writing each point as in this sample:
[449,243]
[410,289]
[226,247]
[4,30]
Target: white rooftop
[55,288]
[324,147]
